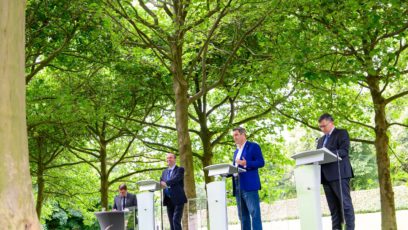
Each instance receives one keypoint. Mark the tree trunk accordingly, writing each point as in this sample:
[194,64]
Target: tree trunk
[388,218]
[205,134]
[17,210]
[207,154]
[180,88]
[184,142]
[104,177]
[41,186]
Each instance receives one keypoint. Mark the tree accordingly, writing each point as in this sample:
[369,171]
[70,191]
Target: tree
[168,29]
[58,32]
[356,45]
[107,142]
[17,211]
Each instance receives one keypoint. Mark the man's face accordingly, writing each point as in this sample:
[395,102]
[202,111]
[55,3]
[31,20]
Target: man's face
[239,138]
[326,126]
[171,160]
[122,192]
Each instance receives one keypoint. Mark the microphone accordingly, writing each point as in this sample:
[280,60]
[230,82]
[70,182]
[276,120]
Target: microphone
[316,141]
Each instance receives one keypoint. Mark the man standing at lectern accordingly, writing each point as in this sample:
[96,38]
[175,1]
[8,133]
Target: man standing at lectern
[172,181]
[124,199]
[338,142]
[248,156]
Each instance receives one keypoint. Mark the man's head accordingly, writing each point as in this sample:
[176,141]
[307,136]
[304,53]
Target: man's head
[122,190]
[171,159]
[326,123]
[239,135]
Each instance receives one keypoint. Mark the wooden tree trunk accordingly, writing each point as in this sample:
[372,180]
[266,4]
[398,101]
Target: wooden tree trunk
[207,155]
[17,210]
[180,88]
[104,177]
[184,143]
[388,218]
[41,186]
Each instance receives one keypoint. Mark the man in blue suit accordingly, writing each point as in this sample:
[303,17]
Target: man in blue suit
[338,142]
[248,156]
[172,181]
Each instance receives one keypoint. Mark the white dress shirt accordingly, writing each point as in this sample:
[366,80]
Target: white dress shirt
[239,153]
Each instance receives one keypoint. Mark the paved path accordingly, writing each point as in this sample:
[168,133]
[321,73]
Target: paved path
[370,221]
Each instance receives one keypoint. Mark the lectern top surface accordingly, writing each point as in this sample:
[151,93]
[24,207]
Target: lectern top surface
[223,170]
[216,166]
[315,151]
[320,156]
[146,182]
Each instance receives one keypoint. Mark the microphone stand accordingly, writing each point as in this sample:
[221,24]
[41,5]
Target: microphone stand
[161,208]
[341,191]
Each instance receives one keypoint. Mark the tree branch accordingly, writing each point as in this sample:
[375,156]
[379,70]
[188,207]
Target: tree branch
[399,124]
[122,156]
[359,123]
[396,96]
[44,63]
[204,88]
[135,172]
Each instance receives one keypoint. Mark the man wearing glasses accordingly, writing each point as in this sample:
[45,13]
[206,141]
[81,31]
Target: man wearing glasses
[338,142]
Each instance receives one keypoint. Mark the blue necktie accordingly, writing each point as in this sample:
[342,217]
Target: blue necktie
[326,139]
[167,191]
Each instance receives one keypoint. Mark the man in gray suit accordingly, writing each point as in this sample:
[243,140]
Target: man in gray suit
[124,199]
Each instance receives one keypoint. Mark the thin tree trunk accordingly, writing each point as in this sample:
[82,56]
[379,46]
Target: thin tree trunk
[180,88]
[17,210]
[207,155]
[104,177]
[184,143]
[388,218]
[41,186]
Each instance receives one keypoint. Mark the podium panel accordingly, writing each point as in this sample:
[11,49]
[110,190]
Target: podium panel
[308,194]
[116,220]
[145,206]
[307,176]
[217,203]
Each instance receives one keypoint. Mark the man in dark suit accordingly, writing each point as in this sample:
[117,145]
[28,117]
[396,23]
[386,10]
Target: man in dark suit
[124,199]
[248,156]
[172,181]
[338,142]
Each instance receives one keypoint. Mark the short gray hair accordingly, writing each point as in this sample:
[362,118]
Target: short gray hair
[240,130]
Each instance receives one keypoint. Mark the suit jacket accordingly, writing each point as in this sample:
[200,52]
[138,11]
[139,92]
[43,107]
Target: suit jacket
[339,142]
[175,185]
[131,201]
[249,180]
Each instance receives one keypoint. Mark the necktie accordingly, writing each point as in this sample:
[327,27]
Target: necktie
[326,139]
[123,203]
[167,191]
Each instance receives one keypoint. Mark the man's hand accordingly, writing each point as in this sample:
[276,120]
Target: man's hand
[241,162]
[163,184]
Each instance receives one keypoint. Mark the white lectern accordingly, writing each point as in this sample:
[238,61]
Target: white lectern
[217,195]
[307,176]
[145,204]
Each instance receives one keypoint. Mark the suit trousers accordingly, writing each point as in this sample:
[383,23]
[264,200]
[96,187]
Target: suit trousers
[175,213]
[333,197]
